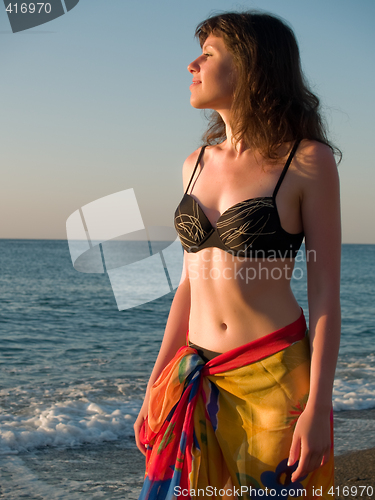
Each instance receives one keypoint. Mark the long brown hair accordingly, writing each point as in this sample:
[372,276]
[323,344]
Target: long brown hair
[272,101]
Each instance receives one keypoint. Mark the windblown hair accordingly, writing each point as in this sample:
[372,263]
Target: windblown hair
[272,101]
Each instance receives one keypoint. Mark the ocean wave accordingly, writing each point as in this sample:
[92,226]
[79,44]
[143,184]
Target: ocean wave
[354,387]
[353,395]
[67,424]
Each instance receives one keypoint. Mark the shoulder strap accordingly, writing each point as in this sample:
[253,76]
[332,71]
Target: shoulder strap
[196,165]
[288,162]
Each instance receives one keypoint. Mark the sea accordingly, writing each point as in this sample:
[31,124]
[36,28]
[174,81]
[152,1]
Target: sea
[74,368]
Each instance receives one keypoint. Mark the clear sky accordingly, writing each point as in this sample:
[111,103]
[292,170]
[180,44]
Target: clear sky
[97,101]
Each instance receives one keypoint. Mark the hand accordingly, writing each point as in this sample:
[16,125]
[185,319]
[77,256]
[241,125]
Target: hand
[138,424]
[311,442]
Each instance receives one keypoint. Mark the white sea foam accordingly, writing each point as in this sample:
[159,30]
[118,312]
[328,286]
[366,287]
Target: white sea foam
[38,416]
[65,424]
[354,387]
[353,395]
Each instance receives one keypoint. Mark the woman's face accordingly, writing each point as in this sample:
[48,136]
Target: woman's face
[213,76]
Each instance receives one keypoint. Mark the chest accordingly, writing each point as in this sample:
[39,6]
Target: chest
[223,189]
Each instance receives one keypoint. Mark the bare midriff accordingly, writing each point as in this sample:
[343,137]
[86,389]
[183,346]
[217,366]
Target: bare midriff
[235,300]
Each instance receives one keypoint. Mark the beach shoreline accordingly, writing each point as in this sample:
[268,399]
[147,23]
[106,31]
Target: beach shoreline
[116,471]
[353,470]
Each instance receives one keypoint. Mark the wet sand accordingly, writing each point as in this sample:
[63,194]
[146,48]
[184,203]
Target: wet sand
[116,470]
[353,470]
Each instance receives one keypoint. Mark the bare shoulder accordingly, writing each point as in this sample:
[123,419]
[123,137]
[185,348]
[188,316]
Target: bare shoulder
[188,167]
[321,217]
[315,162]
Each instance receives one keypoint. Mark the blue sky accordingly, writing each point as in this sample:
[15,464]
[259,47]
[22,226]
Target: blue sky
[97,101]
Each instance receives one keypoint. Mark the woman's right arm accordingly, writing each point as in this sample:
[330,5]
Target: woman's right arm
[178,319]
[174,338]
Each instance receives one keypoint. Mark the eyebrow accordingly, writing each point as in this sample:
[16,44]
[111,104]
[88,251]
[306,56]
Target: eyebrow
[205,47]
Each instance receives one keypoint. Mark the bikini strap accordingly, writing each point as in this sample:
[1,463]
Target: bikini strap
[288,161]
[196,165]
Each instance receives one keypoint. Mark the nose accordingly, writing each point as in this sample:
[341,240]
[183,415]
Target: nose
[193,67]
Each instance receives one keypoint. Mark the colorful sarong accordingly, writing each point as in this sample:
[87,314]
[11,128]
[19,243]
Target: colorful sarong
[228,424]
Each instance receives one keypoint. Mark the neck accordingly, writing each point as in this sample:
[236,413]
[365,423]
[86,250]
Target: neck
[238,148]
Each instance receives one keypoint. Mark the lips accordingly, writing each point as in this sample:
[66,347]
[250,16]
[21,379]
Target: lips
[195,83]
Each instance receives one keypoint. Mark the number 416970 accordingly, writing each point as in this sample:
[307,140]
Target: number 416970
[30,8]
[354,491]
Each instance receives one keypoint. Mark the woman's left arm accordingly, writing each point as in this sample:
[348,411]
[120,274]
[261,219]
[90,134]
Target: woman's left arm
[320,208]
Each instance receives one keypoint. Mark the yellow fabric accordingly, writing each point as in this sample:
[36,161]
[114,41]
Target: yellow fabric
[234,428]
[258,408]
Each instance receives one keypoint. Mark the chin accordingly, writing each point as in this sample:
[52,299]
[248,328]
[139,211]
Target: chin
[198,104]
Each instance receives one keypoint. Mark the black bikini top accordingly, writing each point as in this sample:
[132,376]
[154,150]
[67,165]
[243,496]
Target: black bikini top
[250,228]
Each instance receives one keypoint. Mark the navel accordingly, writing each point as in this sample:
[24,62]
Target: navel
[224,326]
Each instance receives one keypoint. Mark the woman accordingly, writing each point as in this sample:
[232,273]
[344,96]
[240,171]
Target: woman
[239,395]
